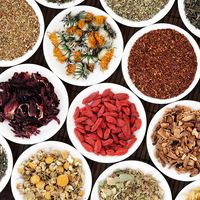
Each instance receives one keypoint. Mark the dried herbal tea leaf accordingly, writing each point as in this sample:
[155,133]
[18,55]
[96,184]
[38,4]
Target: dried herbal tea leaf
[59,1]
[192,10]
[3,162]
[130,184]
[136,10]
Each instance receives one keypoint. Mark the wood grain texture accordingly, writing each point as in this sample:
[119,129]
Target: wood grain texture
[141,154]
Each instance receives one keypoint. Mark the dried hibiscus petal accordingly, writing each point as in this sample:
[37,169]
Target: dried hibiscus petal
[28,101]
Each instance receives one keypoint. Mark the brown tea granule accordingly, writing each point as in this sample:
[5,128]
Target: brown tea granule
[162,63]
[19,28]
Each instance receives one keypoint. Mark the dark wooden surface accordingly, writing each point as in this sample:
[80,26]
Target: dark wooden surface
[141,154]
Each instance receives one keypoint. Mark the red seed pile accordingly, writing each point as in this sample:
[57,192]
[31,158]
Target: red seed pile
[107,122]
[162,63]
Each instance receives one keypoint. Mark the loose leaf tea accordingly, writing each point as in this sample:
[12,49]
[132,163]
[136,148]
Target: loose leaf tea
[136,10]
[28,101]
[192,10]
[3,162]
[130,184]
[19,28]
[162,63]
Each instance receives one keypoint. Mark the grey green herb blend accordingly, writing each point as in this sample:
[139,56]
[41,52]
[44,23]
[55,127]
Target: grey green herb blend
[137,10]
[3,162]
[59,1]
[130,185]
[192,10]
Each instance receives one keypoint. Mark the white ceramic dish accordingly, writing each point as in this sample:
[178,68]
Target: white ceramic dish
[126,54]
[59,6]
[50,145]
[5,179]
[182,195]
[192,28]
[78,102]
[131,23]
[135,165]
[52,127]
[27,55]
[59,69]
[170,172]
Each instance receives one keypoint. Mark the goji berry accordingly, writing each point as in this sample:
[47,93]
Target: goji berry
[101,111]
[110,152]
[120,122]
[121,151]
[76,113]
[91,97]
[96,125]
[106,93]
[89,140]
[110,106]
[106,134]
[79,135]
[100,132]
[111,120]
[87,147]
[96,103]
[107,142]
[97,146]
[120,96]
[138,123]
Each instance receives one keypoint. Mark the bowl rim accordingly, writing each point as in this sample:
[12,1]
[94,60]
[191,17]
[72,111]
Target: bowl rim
[188,187]
[189,26]
[47,146]
[126,54]
[58,85]
[161,14]
[132,164]
[29,53]
[171,173]
[59,6]
[117,59]
[6,177]
[140,134]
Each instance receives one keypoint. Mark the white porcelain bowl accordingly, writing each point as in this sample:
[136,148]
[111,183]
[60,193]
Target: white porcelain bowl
[6,177]
[59,6]
[26,56]
[127,51]
[192,28]
[52,127]
[170,172]
[131,23]
[96,76]
[183,194]
[135,165]
[47,146]
[78,102]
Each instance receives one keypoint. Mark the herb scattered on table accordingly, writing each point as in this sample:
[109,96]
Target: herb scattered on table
[136,10]
[18,34]
[194,194]
[176,139]
[162,63]
[192,10]
[107,123]
[51,175]
[130,184]
[3,162]
[28,101]
[85,43]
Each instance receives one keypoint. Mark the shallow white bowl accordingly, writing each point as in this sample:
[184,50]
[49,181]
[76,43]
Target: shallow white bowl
[127,51]
[135,165]
[182,195]
[131,23]
[5,179]
[170,172]
[192,28]
[47,146]
[26,56]
[78,102]
[52,127]
[97,75]
[59,6]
